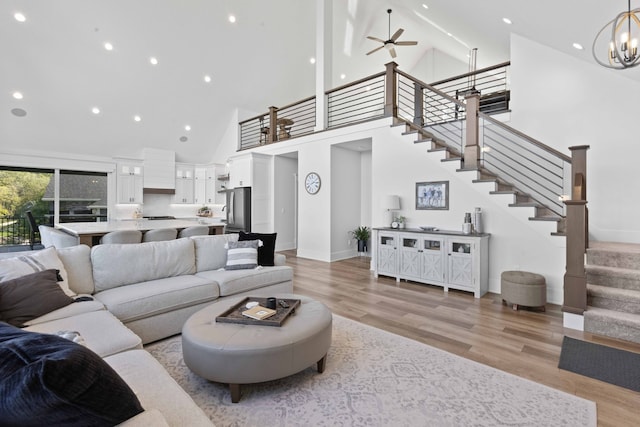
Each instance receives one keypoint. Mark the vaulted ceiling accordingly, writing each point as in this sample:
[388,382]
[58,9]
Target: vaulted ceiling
[57,60]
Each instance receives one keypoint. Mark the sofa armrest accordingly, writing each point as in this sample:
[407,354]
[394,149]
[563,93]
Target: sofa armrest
[152,417]
[279,259]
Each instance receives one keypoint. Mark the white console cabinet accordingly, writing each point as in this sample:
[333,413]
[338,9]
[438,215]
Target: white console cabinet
[444,258]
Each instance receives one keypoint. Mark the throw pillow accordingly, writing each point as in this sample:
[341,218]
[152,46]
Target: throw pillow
[31,296]
[49,380]
[45,259]
[267,250]
[242,255]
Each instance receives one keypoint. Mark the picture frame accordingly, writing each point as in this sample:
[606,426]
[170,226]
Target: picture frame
[432,195]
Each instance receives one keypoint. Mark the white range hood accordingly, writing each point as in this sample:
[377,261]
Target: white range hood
[159,171]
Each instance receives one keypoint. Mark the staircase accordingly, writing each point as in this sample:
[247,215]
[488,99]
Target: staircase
[613,290]
[520,198]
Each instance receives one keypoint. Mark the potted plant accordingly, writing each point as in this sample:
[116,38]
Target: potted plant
[205,211]
[361,234]
[401,220]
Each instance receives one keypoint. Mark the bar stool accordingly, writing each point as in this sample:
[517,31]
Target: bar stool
[196,230]
[122,236]
[160,234]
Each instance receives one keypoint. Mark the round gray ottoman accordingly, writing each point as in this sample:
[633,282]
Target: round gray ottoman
[523,288]
[244,354]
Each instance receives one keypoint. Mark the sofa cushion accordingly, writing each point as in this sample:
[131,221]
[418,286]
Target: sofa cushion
[48,380]
[242,255]
[28,297]
[77,263]
[211,253]
[267,250]
[102,332]
[157,390]
[233,282]
[76,308]
[22,265]
[123,264]
[141,300]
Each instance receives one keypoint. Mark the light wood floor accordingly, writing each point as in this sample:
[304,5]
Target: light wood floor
[524,343]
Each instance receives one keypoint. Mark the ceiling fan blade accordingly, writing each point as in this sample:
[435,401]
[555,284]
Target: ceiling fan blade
[406,43]
[375,39]
[392,51]
[375,50]
[397,34]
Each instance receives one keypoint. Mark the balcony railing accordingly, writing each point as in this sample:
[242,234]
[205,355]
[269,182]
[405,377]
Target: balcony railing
[16,231]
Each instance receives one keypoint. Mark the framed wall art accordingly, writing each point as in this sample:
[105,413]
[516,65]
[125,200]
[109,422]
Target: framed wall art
[432,195]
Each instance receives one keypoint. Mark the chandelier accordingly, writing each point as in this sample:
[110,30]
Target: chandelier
[622,46]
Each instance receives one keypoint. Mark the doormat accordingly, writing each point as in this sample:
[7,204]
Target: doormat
[611,365]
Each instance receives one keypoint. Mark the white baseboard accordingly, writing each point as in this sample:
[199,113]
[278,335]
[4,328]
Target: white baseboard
[573,321]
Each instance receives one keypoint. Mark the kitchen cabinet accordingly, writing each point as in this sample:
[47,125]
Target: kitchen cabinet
[240,171]
[209,189]
[130,181]
[449,259]
[184,184]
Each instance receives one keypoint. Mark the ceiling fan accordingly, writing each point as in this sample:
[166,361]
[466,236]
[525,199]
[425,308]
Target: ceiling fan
[391,42]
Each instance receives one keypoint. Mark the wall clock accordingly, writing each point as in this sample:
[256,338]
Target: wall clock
[312,183]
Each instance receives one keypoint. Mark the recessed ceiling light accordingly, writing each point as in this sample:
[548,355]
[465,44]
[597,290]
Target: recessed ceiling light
[95,110]
[187,128]
[137,118]
[18,112]
[183,139]
[343,76]
[18,16]
[312,60]
[507,21]
[207,78]
[17,95]
[578,46]
[108,46]
[153,60]
[425,6]
[232,19]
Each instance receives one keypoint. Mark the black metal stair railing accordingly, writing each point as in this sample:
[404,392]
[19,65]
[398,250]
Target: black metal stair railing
[532,167]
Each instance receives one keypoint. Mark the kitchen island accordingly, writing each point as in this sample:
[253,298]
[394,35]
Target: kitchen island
[90,233]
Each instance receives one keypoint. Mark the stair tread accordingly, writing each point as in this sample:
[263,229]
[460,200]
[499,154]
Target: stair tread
[545,218]
[612,271]
[612,314]
[621,294]
[613,246]
[525,205]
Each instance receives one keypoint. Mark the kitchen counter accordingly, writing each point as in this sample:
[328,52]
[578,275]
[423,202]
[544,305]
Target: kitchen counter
[90,232]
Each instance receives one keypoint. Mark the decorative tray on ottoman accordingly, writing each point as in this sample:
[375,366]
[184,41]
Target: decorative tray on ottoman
[234,313]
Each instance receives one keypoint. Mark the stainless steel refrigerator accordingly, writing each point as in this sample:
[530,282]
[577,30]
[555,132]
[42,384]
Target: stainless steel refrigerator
[238,210]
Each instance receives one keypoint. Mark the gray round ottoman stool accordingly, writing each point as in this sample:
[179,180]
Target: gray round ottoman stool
[523,288]
[237,354]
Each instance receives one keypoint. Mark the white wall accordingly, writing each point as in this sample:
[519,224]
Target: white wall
[563,101]
[436,65]
[345,201]
[366,191]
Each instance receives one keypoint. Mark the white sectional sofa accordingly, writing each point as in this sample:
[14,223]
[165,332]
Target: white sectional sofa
[144,292]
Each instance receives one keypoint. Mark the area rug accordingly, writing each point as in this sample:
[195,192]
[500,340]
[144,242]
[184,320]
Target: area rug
[611,365]
[375,378]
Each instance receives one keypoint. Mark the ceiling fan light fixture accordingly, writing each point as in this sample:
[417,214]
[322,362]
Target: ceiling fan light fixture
[391,42]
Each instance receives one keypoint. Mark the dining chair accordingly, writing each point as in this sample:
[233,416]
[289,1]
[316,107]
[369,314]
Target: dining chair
[33,227]
[160,234]
[122,236]
[196,230]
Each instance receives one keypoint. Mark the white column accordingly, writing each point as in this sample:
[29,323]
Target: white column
[324,18]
